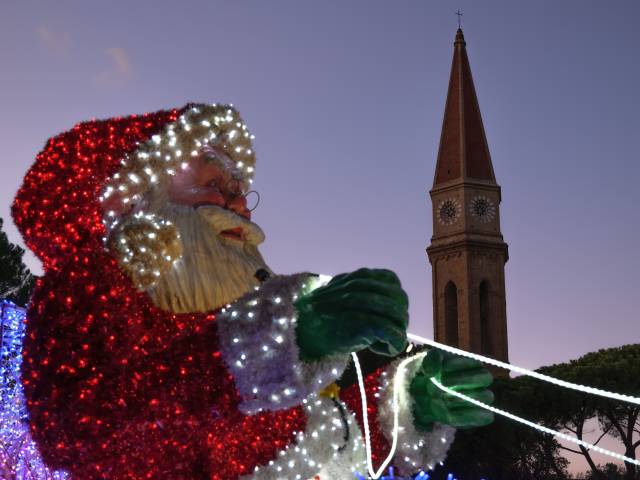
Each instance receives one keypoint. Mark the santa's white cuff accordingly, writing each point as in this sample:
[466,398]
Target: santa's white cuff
[416,449]
[258,344]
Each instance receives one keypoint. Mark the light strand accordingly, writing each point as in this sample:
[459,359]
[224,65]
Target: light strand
[536,426]
[398,380]
[528,373]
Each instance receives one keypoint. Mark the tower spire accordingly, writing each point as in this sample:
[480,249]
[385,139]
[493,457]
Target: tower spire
[464,153]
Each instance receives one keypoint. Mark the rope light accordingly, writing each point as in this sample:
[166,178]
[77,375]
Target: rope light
[524,371]
[398,379]
[540,428]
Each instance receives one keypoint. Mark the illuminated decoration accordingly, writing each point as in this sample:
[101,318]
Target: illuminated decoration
[162,155]
[539,376]
[116,387]
[258,329]
[19,456]
[391,476]
[429,447]
[150,166]
[549,431]
[524,371]
[419,476]
[147,246]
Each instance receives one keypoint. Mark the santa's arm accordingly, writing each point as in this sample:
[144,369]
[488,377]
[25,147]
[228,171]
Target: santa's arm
[259,345]
[416,448]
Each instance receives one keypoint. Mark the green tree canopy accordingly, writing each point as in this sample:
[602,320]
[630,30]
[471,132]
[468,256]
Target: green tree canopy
[613,369]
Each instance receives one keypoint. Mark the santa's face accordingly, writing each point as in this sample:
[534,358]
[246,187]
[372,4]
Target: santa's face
[220,242]
[209,179]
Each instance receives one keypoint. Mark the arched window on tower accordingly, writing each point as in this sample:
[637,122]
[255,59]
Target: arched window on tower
[451,314]
[485,322]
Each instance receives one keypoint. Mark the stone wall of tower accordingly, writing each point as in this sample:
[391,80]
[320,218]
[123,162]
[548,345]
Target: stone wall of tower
[467,265]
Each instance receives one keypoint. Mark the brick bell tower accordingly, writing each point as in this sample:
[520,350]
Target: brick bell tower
[467,252]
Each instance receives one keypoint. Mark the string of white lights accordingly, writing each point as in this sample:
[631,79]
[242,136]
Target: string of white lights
[546,430]
[398,380]
[524,371]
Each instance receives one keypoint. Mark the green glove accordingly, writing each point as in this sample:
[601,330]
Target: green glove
[365,308]
[458,373]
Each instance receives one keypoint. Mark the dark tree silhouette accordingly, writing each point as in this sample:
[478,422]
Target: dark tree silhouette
[16,281]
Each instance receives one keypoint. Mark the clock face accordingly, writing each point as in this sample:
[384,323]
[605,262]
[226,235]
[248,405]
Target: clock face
[448,211]
[482,209]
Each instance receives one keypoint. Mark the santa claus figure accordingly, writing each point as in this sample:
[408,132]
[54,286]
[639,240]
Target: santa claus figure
[160,345]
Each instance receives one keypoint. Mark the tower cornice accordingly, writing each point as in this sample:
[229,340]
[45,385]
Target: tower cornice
[457,184]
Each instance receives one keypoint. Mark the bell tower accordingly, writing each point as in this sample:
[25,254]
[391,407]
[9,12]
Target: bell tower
[467,251]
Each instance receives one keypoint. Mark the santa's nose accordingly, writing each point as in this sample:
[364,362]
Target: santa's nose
[238,204]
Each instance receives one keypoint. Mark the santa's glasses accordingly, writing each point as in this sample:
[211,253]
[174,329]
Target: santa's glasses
[234,186]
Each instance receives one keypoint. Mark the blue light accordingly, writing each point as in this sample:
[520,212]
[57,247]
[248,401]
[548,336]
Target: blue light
[419,476]
[19,456]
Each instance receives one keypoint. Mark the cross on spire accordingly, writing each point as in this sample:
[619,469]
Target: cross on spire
[459,14]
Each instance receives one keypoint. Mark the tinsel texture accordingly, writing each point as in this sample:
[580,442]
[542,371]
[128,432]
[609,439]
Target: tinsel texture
[146,247]
[116,388]
[19,455]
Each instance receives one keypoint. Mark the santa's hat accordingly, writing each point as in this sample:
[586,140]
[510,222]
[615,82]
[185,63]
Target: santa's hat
[169,150]
[61,207]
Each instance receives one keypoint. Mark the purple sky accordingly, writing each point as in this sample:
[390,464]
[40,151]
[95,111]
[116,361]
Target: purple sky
[346,100]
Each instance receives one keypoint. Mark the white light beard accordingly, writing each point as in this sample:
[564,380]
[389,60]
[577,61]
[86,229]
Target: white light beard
[213,270]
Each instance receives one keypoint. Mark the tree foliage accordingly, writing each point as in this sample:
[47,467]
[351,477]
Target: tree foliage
[16,281]
[613,369]
[509,451]
[506,450]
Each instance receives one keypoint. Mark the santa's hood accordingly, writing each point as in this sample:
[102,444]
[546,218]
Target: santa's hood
[62,204]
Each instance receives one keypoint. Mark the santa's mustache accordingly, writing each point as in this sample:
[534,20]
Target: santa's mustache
[221,219]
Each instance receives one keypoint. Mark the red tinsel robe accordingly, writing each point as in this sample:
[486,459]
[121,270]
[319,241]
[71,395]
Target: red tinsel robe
[117,388]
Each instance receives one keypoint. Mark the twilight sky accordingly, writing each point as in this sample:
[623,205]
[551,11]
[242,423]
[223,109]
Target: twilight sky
[346,101]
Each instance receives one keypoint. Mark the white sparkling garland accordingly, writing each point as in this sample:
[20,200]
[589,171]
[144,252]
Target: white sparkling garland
[321,449]
[258,330]
[162,155]
[549,431]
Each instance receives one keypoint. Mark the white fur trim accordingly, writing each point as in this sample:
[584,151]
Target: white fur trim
[416,449]
[258,344]
[321,449]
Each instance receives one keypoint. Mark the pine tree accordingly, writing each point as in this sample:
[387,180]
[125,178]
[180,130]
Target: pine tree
[16,281]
